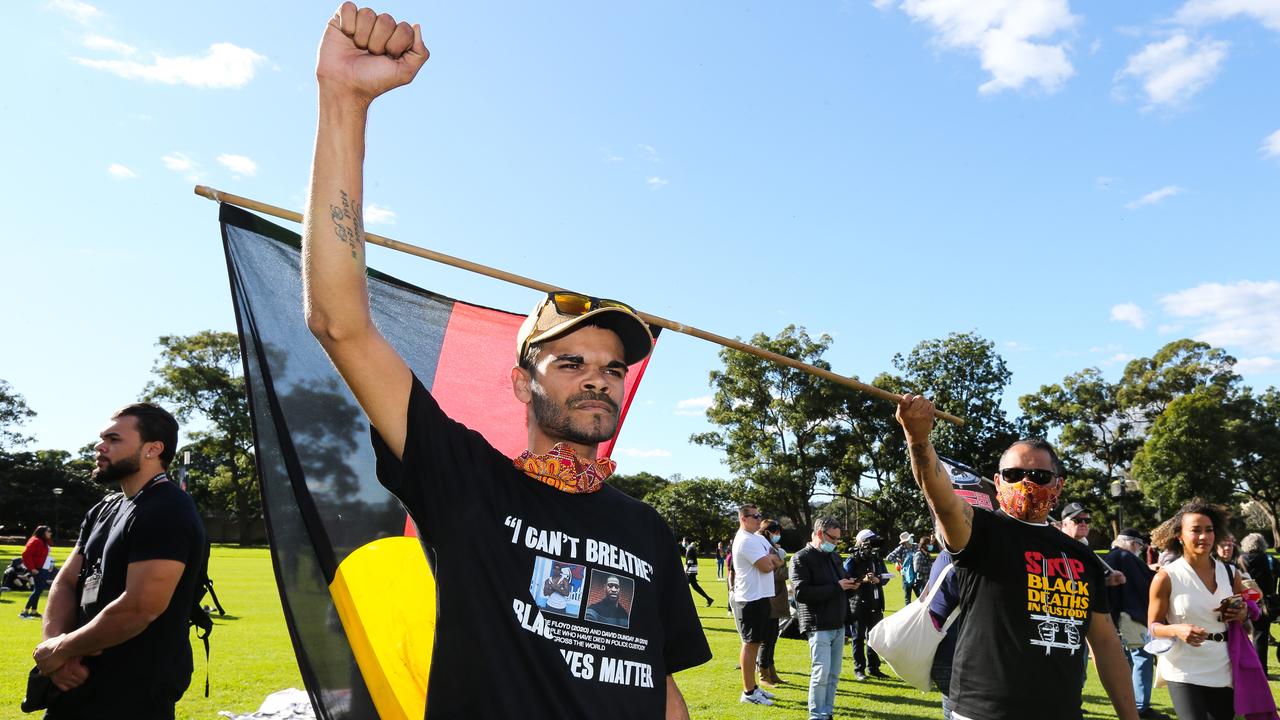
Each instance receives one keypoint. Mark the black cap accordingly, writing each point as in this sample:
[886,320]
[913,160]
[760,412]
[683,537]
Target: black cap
[1136,534]
[1072,510]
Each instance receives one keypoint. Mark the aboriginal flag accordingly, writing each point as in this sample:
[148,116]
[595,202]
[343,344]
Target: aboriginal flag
[356,587]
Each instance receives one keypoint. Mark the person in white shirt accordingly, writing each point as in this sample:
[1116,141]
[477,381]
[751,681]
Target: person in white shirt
[753,564]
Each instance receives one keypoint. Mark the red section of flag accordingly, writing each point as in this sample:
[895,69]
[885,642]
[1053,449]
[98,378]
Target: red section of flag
[473,380]
[473,376]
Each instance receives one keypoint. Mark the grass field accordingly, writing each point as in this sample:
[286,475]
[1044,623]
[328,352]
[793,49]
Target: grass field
[252,656]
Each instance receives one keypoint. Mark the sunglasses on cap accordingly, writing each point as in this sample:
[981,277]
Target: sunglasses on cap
[572,303]
[1039,477]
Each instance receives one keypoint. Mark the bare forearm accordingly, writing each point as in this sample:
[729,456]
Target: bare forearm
[334,288]
[955,516]
[60,611]
[676,707]
[116,623]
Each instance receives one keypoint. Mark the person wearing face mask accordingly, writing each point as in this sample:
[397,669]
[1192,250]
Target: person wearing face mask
[821,607]
[1031,596]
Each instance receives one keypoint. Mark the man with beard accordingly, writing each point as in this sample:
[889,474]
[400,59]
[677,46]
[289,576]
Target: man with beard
[572,357]
[607,609]
[115,628]
[1030,596]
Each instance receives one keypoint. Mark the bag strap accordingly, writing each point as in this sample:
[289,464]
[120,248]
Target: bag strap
[933,591]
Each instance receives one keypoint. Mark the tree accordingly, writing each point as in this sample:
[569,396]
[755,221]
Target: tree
[13,413]
[27,480]
[963,375]
[639,485]
[201,377]
[703,509]
[775,421]
[1188,451]
[1255,435]
[1149,385]
[1098,435]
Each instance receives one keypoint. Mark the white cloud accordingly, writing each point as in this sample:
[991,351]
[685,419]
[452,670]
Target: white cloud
[378,215]
[178,162]
[1174,70]
[120,172]
[238,164]
[1119,358]
[694,407]
[1271,145]
[79,11]
[1203,12]
[1130,314]
[1010,36]
[1015,346]
[1155,196]
[638,453]
[1242,316]
[1257,365]
[656,182]
[99,42]
[649,152]
[223,66]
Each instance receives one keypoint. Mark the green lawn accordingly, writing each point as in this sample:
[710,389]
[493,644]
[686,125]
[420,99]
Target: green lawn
[252,656]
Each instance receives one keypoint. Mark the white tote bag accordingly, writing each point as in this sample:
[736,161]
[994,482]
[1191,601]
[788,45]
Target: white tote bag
[907,639]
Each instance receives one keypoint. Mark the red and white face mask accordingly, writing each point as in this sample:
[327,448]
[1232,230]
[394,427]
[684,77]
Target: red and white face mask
[1028,501]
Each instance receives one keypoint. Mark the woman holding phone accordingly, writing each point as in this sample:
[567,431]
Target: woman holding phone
[1192,600]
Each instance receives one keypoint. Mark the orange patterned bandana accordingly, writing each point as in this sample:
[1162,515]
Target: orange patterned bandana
[1028,501]
[562,470]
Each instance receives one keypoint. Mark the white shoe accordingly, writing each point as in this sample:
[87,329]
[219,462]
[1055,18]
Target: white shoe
[755,697]
[765,693]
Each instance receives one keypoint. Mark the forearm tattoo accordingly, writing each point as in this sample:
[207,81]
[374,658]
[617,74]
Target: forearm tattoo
[348,224]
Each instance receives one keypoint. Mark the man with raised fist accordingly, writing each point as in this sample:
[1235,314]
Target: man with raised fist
[465,497]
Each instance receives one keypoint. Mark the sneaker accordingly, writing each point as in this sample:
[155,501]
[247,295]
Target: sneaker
[857,675]
[23,614]
[710,602]
[755,697]
[33,614]
[877,674]
[765,693]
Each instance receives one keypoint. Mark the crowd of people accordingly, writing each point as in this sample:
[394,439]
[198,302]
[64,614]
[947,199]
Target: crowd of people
[1031,605]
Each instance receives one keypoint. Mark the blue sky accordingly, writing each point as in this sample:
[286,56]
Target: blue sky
[1078,182]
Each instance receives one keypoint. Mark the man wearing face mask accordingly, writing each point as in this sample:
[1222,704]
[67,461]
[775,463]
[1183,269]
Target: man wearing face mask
[1031,596]
[821,587]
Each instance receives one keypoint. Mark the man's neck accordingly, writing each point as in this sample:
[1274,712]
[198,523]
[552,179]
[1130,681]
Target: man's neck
[540,444]
[133,484]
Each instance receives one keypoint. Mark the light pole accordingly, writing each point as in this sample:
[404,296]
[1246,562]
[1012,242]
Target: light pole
[1120,488]
[57,495]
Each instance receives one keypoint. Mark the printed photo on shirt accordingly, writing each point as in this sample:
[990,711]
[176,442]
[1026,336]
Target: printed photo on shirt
[609,599]
[557,586]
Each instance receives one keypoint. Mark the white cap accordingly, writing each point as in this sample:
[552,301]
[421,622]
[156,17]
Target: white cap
[865,535]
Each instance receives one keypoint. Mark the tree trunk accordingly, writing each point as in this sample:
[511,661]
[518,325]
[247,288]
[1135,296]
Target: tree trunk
[243,515]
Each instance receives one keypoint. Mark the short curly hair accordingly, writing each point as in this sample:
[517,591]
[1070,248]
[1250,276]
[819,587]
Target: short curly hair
[1168,536]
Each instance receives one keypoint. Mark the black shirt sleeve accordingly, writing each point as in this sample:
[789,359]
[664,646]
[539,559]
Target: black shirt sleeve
[438,472]
[162,531]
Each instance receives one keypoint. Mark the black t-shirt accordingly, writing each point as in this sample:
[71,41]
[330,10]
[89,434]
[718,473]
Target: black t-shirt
[1027,593]
[509,642]
[158,523]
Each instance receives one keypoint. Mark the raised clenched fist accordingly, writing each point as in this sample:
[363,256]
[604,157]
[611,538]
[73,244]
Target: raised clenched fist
[364,54]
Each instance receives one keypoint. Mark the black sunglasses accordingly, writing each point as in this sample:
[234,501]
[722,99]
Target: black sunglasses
[1039,477]
[757,516]
[572,303]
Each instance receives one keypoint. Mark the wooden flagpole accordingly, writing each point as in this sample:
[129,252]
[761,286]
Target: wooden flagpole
[248,204]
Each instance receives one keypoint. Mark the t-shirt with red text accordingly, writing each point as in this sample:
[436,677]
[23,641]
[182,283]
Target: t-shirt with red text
[1028,593]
